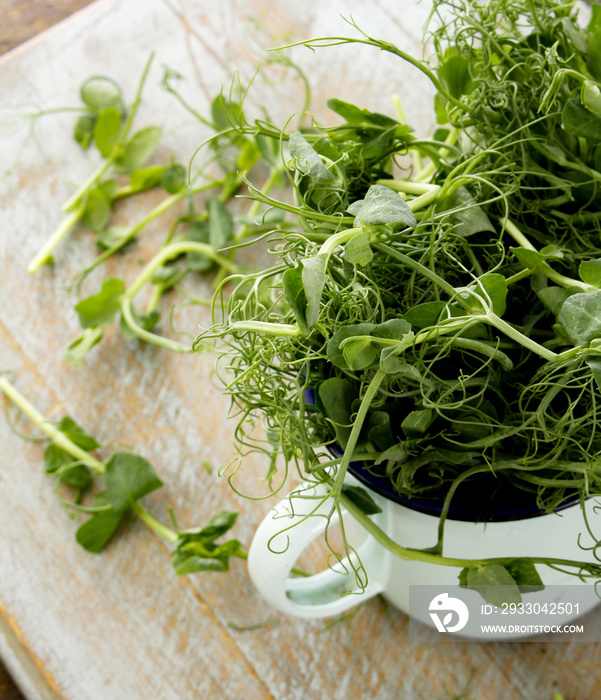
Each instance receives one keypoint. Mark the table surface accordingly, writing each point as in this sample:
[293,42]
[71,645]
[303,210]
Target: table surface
[121,625]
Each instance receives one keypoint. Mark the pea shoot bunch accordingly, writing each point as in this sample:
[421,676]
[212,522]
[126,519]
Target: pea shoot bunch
[435,315]
[432,313]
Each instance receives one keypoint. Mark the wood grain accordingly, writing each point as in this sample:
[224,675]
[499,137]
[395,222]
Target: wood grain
[23,19]
[121,626]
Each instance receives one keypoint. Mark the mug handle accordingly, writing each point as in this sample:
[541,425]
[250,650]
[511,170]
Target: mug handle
[280,540]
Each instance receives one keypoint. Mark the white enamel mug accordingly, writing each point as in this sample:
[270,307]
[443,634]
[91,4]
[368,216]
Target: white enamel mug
[286,532]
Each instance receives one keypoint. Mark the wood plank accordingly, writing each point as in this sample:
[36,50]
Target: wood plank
[23,19]
[121,625]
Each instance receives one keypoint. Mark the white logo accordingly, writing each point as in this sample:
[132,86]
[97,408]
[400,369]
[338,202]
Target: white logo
[444,603]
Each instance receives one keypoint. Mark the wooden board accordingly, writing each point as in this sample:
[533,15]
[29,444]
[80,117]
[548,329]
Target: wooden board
[122,626]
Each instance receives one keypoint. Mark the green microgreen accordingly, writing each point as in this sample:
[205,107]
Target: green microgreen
[436,354]
[126,478]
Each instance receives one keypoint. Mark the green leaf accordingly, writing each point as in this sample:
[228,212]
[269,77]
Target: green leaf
[217,526]
[355,115]
[393,329]
[96,532]
[72,474]
[198,231]
[554,297]
[593,36]
[112,236]
[416,423]
[198,557]
[107,130]
[494,583]
[139,148]
[226,114]
[362,499]
[77,477]
[247,156]
[97,210]
[524,573]
[268,149]
[392,363]
[314,278]
[591,97]
[493,287]
[221,226]
[382,206]
[55,457]
[580,121]
[83,130]
[590,272]
[196,551]
[575,35]
[81,346]
[440,108]
[306,160]
[358,251]
[78,435]
[335,397]
[380,430]
[100,309]
[360,353]
[454,72]
[174,178]
[594,362]
[470,217]
[144,179]
[294,294]
[128,477]
[100,93]
[580,317]
[109,188]
[426,315]
[397,454]
[335,354]
[531,258]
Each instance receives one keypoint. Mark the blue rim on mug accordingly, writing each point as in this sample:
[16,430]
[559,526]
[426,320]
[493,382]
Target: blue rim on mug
[518,505]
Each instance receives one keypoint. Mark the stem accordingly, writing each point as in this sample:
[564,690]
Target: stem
[75,198]
[366,402]
[62,441]
[172,251]
[46,250]
[552,274]
[153,524]
[488,350]
[155,297]
[417,555]
[520,338]
[418,267]
[265,327]
[149,337]
[424,199]
[57,437]
[409,186]
[153,214]
[136,103]
[337,239]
